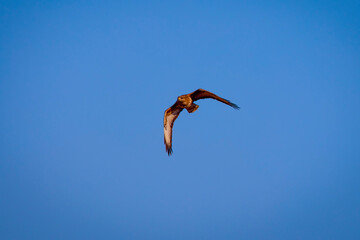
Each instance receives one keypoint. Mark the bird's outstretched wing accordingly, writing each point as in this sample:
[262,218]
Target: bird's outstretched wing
[201,94]
[169,118]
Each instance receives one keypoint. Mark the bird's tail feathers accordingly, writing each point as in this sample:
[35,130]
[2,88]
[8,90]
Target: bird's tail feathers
[192,108]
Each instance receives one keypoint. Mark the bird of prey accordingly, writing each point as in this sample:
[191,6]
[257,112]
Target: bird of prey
[186,101]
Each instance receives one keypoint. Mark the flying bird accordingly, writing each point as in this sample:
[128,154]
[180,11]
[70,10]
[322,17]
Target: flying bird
[186,101]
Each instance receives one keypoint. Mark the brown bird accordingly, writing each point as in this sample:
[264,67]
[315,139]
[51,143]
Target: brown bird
[186,101]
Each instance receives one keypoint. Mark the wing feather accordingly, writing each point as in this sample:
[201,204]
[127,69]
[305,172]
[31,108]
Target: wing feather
[201,94]
[169,118]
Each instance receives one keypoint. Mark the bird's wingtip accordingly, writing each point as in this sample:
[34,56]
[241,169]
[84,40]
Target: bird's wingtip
[233,105]
[169,151]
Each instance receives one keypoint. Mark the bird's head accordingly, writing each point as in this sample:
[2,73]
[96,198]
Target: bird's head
[181,98]
[184,100]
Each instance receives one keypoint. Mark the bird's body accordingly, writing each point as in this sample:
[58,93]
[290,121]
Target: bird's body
[186,102]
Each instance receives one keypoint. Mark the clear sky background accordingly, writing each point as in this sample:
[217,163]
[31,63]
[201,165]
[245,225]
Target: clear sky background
[83,89]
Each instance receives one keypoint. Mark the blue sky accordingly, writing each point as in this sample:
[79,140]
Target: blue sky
[83,89]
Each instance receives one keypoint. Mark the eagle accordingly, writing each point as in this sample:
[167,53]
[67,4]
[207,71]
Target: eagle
[186,101]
